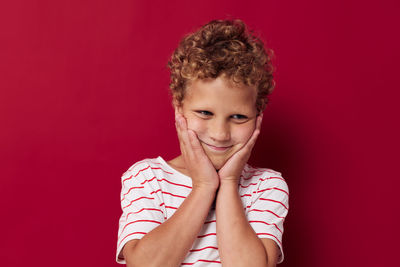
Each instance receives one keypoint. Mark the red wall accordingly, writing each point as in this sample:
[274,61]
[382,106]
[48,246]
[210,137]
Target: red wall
[83,95]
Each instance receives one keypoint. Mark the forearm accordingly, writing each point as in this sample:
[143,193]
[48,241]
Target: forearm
[168,244]
[238,244]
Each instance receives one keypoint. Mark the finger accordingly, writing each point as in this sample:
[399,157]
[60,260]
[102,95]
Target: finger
[184,136]
[176,112]
[191,141]
[180,132]
[259,121]
[252,141]
[178,128]
[253,138]
[194,140]
[256,132]
[181,144]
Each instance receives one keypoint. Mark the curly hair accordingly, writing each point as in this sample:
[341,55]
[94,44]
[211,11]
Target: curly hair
[222,47]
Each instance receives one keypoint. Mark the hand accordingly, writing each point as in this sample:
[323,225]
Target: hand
[197,163]
[235,164]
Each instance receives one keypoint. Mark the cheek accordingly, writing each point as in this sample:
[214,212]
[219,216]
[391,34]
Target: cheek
[243,133]
[196,124]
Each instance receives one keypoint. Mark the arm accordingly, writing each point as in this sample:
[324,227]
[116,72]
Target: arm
[237,242]
[168,244]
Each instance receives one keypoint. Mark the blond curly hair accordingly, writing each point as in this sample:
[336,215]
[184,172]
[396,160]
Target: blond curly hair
[222,47]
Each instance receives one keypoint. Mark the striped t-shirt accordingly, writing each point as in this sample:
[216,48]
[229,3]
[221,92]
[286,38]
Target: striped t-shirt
[152,191]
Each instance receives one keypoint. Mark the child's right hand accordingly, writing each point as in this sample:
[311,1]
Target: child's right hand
[197,163]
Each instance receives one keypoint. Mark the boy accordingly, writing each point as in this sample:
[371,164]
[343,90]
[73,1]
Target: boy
[208,207]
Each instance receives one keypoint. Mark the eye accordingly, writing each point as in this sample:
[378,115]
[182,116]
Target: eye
[239,117]
[204,113]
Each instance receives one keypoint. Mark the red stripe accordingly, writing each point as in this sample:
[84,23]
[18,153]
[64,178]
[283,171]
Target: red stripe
[166,193]
[199,249]
[191,263]
[136,200]
[173,195]
[201,236]
[248,178]
[136,222]
[158,190]
[137,187]
[141,170]
[146,181]
[267,199]
[153,168]
[131,168]
[163,179]
[270,235]
[123,181]
[210,221]
[142,210]
[169,207]
[267,211]
[175,183]
[279,178]
[158,168]
[246,195]
[271,188]
[245,186]
[267,224]
[130,235]
[160,180]
[136,164]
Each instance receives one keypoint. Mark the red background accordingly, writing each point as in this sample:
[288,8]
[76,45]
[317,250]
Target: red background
[84,94]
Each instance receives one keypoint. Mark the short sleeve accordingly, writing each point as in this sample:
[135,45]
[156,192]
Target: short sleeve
[141,211]
[269,208]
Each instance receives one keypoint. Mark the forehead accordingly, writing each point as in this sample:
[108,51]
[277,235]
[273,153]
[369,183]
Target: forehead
[220,93]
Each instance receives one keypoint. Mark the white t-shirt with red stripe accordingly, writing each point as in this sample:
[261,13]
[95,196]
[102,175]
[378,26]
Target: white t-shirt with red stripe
[152,191]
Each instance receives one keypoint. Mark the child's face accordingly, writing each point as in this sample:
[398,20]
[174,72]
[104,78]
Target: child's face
[222,115]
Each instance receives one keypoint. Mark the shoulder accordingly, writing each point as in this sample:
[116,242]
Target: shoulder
[250,169]
[265,176]
[140,169]
[270,191]
[145,163]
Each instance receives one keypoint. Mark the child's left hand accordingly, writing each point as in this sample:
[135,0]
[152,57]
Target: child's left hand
[234,166]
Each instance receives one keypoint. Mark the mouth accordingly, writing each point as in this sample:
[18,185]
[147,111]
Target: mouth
[217,148]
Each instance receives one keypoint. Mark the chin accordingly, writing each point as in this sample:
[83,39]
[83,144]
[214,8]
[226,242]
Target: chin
[218,166]
[218,162]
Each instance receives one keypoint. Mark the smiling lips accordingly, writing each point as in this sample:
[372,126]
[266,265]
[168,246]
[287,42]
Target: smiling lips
[218,148]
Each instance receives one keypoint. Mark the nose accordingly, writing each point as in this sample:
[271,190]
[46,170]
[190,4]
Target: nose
[219,131]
